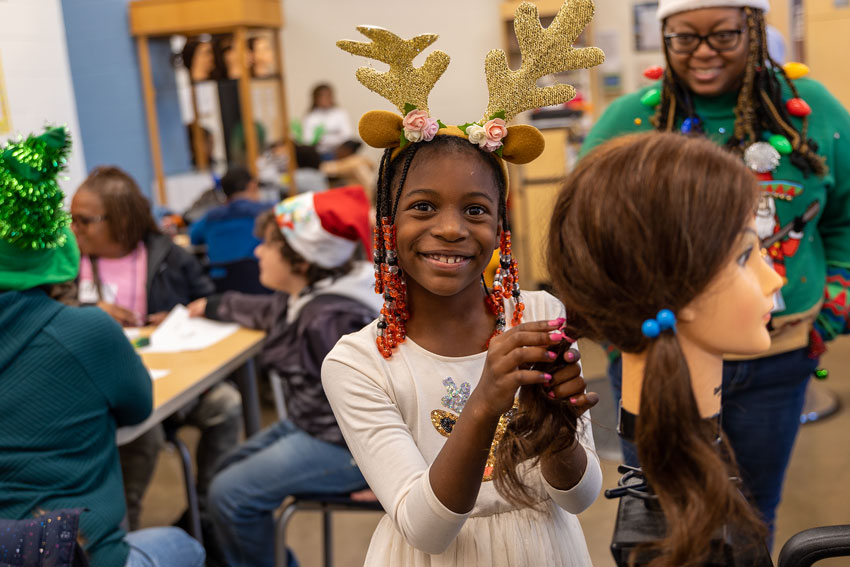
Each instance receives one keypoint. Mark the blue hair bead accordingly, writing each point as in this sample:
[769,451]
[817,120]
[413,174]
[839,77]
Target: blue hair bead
[666,320]
[650,328]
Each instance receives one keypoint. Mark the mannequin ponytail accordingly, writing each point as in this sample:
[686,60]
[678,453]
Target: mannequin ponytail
[690,470]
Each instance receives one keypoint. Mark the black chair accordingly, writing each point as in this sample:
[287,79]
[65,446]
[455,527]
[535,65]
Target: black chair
[810,546]
[326,504]
[240,275]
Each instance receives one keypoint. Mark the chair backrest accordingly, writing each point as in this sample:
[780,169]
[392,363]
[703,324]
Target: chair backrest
[240,275]
[46,540]
[810,546]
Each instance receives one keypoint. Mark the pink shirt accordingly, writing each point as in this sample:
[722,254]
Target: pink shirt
[123,281]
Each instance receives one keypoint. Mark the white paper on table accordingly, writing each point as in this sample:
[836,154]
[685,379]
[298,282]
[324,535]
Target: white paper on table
[179,332]
[132,333]
[157,374]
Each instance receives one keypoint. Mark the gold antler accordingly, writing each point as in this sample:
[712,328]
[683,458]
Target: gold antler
[402,84]
[543,52]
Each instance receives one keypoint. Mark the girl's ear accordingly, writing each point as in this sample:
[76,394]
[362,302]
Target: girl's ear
[381,128]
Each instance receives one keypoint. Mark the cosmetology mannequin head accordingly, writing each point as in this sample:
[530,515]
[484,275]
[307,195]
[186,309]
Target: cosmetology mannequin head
[660,221]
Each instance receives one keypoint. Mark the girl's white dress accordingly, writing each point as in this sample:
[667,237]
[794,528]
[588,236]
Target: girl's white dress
[395,415]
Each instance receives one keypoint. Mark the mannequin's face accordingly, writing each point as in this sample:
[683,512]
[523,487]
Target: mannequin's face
[203,62]
[263,56]
[731,315]
[705,71]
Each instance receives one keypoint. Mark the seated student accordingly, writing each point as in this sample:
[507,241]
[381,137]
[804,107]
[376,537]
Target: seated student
[228,230]
[308,176]
[136,274]
[70,378]
[351,168]
[322,293]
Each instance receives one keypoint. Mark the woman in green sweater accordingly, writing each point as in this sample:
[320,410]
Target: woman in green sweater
[720,82]
[68,377]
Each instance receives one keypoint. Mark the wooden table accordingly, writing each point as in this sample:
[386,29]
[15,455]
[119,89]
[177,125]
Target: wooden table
[193,372]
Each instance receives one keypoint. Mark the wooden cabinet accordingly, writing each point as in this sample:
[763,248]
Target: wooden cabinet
[242,21]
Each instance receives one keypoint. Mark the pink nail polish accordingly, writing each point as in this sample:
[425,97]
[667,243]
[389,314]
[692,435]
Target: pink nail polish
[571,356]
[551,355]
[569,339]
[574,400]
[556,335]
[547,377]
[551,395]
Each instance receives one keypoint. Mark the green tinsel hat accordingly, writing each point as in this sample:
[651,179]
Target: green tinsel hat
[31,214]
[36,244]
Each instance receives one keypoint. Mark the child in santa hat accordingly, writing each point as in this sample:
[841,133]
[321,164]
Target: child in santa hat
[309,256]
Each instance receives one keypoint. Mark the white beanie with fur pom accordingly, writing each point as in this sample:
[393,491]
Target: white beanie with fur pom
[670,7]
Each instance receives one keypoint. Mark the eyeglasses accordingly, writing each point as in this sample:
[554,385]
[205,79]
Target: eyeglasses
[720,41]
[84,221]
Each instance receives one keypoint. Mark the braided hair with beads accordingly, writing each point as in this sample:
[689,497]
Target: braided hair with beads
[759,108]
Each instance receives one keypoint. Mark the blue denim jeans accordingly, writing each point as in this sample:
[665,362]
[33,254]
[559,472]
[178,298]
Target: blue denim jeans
[163,547]
[253,480]
[762,402]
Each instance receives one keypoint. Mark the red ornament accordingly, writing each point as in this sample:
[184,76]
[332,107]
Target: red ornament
[798,107]
[653,73]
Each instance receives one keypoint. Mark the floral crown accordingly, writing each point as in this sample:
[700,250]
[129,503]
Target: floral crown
[544,52]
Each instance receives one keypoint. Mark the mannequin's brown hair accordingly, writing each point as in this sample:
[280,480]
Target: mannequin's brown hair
[644,223]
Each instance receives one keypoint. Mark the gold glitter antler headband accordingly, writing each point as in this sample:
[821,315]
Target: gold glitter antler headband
[402,84]
[544,52]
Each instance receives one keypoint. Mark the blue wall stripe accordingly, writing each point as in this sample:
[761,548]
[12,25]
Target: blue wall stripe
[108,91]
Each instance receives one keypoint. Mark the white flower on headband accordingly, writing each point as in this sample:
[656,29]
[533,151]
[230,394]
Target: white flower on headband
[418,126]
[477,134]
[489,136]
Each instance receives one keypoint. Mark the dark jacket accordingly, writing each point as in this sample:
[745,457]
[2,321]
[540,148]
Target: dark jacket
[174,275]
[301,332]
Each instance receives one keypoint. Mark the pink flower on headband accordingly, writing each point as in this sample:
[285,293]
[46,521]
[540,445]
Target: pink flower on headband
[418,126]
[495,130]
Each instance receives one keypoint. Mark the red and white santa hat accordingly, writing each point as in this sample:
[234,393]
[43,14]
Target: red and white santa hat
[326,227]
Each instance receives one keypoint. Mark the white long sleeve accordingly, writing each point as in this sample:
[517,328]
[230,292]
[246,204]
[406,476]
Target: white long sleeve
[385,409]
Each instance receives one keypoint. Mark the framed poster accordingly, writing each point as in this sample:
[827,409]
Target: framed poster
[647,28]
[5,119]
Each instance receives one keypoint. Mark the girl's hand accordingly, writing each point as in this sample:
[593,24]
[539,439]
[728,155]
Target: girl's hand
[198,307]
[568,385]
[125,317]
[507,356]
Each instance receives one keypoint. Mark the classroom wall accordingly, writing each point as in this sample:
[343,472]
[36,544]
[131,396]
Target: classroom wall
[468,30]
[107,84]
[37,77]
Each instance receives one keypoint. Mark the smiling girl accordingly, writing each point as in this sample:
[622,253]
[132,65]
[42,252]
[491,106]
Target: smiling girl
[430,396]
